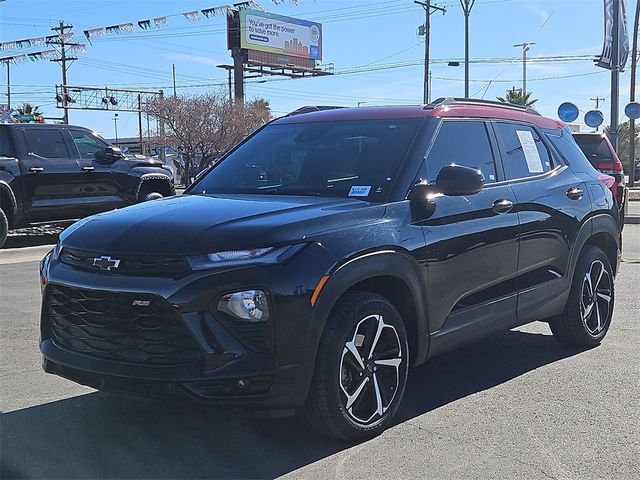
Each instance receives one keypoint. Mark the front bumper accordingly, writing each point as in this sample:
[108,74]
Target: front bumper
[230,369]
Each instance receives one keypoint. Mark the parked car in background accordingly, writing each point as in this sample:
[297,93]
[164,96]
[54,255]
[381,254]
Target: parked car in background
[601,154]
[61,172]
[331,251]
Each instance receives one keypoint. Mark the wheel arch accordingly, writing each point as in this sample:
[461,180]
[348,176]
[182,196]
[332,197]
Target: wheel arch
[8,202]
[153,182]
[390,273]
[600,231]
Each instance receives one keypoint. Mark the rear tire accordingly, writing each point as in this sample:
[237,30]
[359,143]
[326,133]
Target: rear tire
[361,369]
[151,196]
[4,227]
[587,315]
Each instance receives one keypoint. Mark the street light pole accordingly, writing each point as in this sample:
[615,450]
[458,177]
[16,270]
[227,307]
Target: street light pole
[428,10]
[632,98]
[229,69]
[525,48]
[466,5]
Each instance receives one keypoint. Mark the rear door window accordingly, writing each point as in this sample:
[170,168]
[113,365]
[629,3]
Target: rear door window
[525,154]
[45,143]
[6,149]
[462,143]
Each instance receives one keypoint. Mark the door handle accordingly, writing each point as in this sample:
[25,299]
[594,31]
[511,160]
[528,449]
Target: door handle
[575,193]
[502,206]
[36,169]
[88,169]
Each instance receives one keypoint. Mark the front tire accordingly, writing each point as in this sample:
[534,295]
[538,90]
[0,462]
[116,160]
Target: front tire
[4,228]
[589,309]
[361,369]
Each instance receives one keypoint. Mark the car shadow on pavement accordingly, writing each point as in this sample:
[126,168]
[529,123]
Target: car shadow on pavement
[100,435]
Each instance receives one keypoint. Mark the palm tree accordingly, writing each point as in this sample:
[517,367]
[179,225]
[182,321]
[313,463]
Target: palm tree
[28,109]
[514,95]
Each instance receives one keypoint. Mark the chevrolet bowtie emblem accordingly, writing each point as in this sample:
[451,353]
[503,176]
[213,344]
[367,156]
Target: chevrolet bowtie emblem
[105,262]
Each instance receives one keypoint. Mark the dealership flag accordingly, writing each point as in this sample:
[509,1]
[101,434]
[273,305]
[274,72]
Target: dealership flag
[606,60]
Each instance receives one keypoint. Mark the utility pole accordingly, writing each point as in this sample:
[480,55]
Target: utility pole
[162,155]
[428,10]
[115,126]
[525,48]
[140,124]
[174,80]
[466,5]
[632,98]
[62,60]
[8,86]
[598,100]
[615,76]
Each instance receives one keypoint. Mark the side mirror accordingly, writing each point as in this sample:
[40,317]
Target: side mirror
[109,155]
[457,181]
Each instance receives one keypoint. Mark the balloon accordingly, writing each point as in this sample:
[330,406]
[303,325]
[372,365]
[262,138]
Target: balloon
[568,112]
[594,118]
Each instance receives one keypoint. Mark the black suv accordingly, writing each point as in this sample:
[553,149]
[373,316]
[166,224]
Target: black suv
[61,172]
[331,251]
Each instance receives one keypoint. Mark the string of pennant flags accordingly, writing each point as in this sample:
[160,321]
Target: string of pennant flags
[123,28]
[41,55]
[36,41]
[160,22]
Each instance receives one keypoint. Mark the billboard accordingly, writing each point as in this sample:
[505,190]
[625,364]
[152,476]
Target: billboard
[267,32]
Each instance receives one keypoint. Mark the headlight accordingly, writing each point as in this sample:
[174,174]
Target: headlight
[265,255]
[249,305]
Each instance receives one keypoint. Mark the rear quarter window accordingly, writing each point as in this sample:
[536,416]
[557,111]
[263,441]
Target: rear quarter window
[568,149]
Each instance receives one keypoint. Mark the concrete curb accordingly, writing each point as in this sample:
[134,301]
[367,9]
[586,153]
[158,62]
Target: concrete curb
[24,254]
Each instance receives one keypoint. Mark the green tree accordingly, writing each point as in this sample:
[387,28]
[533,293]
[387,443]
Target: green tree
[624,141]
[28,109]
[514,95]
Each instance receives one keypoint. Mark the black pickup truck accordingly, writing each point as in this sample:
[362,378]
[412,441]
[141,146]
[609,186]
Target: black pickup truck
[61,172]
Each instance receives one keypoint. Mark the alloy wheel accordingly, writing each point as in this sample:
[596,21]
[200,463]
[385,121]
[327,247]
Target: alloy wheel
[370,370]
[595,302]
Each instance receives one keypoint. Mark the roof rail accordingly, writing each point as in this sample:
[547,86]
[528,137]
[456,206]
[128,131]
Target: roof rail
[475,101]
[311,108]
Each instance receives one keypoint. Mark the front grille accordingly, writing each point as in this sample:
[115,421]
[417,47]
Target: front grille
[108,325]
[135,265]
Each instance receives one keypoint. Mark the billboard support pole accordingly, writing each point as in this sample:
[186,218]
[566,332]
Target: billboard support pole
[238,74]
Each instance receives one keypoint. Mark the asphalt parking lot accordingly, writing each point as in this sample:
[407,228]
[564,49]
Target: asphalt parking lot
[517,405]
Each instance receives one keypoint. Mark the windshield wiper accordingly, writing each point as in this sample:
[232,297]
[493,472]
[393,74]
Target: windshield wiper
[296,191]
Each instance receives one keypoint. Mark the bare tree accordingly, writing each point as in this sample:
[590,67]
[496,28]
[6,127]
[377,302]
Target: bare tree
[206,126]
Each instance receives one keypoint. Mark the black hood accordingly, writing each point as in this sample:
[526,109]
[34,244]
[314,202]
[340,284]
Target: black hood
[200,224]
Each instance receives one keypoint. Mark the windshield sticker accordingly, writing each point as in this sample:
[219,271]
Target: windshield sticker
[531,155]
[359,190]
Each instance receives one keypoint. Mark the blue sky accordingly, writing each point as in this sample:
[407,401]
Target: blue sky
[355,33]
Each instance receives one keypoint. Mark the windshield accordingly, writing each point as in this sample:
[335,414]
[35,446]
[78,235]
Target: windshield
[347,158]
